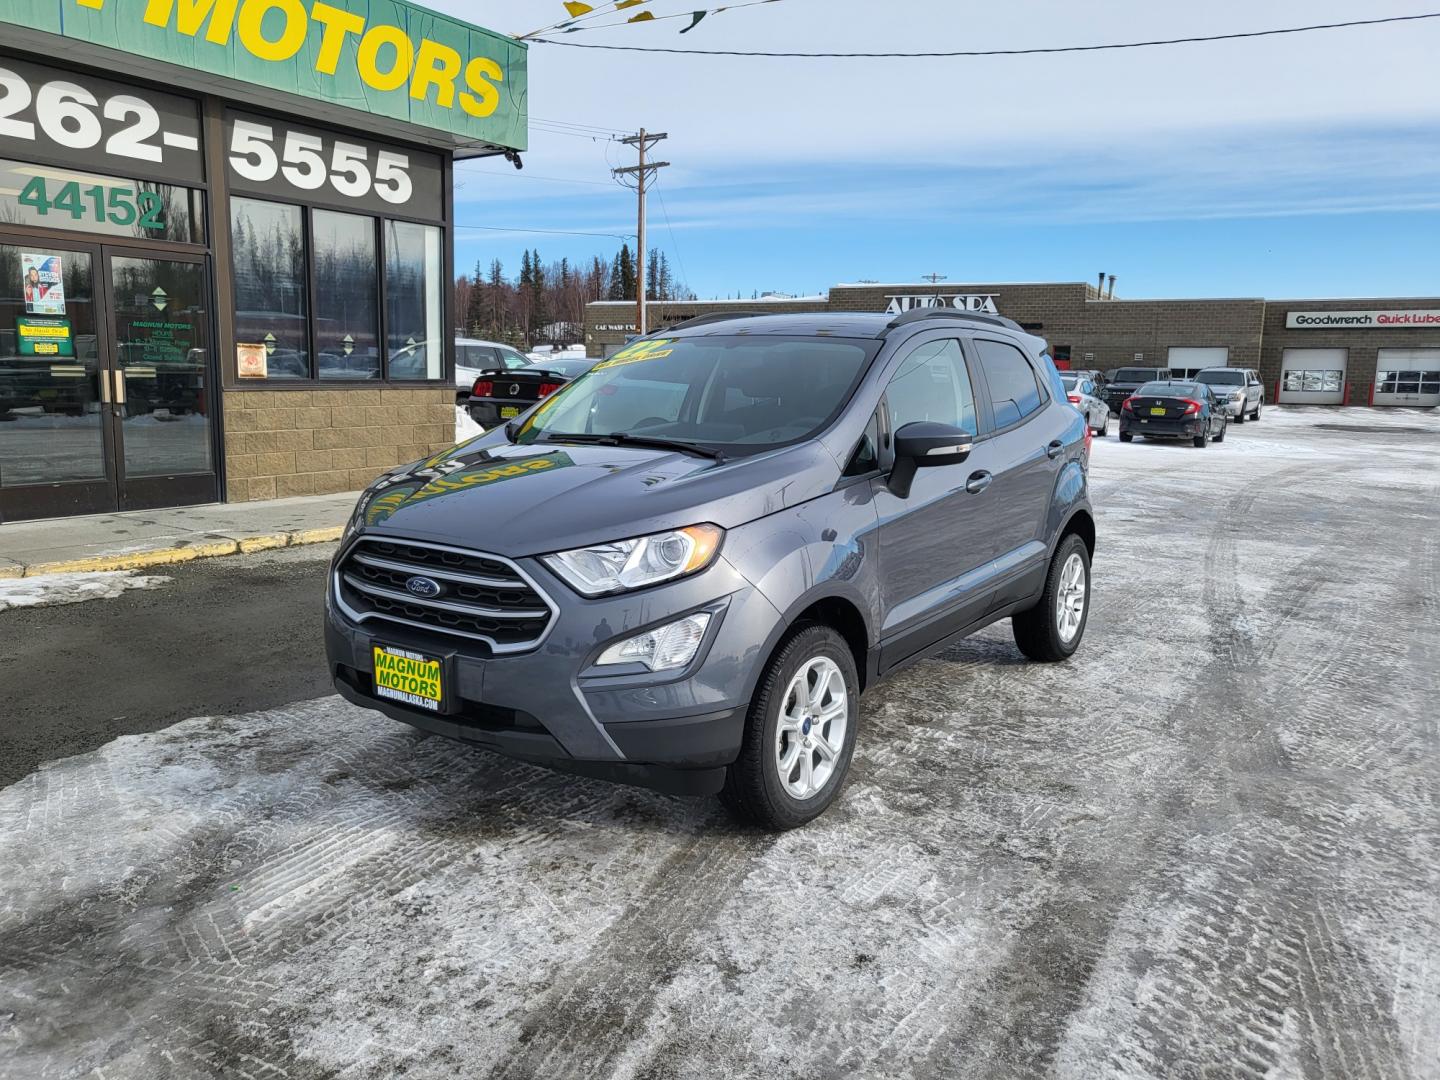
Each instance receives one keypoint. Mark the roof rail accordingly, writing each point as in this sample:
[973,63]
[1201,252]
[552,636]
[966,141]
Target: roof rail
[921,314]
[715,317]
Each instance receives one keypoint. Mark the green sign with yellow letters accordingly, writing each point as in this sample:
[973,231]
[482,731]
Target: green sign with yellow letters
[383,57]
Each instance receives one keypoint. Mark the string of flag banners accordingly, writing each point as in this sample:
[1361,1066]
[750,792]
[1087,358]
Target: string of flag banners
[582,16]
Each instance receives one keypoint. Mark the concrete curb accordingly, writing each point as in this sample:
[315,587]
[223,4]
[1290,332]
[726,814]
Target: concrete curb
[181,553]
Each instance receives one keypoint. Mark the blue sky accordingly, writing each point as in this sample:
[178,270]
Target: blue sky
[1285,167]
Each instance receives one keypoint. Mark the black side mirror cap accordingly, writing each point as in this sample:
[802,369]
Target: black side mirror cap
[924,445]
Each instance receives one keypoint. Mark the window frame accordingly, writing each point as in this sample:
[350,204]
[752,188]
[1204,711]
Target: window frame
[989,427]
[307,232]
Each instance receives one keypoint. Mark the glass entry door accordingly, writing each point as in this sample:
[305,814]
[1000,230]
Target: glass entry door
[104,368]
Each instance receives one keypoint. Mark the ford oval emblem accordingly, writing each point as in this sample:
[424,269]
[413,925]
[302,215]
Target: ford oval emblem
[422,587]
[515,389]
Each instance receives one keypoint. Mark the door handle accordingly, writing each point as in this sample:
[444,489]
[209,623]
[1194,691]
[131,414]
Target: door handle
[104,387]
[119,389]
[1055,449]
[978,482]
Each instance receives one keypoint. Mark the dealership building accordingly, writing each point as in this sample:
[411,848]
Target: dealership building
[1308,352]
[226,243]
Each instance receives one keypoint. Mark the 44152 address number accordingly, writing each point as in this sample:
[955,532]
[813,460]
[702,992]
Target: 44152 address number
[118,206]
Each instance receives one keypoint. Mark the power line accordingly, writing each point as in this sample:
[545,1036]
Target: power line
[671,229]
[572,124]
[996,52]
[513,175]
[552,232]
[662,18]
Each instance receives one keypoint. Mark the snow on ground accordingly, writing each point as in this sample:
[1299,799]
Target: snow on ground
[52,589]
[1207,846]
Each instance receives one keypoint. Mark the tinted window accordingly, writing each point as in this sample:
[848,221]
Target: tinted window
[1222,378]
[270,294]
[1014,391]
[933,384]
[1170,389]
[346,296]
[1137,374]
[512,359]
[741,394]
[474,356]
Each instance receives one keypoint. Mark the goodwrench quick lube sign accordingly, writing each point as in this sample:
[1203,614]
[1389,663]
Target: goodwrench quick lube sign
[1363,320]
[383,57]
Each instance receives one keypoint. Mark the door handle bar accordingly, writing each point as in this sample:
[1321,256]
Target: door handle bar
[1055,449]
[978,483]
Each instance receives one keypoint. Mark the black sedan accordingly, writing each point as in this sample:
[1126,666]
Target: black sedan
[1174,410]
[500,395]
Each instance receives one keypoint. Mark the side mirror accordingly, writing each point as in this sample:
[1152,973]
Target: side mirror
[925,445]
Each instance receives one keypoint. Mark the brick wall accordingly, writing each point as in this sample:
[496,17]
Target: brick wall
[1363,345]
[280,443]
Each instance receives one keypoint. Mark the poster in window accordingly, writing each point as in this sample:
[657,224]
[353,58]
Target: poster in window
[44,284]
[252,362]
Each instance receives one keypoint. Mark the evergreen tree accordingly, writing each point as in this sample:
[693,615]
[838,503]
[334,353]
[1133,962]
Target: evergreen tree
[539,307]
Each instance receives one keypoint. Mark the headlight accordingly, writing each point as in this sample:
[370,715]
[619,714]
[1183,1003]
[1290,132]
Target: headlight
[634,564]
[662,649]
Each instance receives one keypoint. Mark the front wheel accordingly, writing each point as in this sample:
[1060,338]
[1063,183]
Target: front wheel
[800,733]
[1202,440]
[1224,427]
[1256,415]
[1053,629]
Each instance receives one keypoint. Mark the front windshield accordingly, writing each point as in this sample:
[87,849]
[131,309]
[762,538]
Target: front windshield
[740,394]
[1222,378]
[1135,374]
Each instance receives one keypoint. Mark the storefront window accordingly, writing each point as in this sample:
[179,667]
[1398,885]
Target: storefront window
[271,302]
[347,303]
[413,280]
[93,203]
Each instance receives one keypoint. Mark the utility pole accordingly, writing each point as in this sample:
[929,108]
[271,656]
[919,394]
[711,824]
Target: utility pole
[643,173]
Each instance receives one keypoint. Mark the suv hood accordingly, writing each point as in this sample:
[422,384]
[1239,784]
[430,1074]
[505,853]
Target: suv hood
[512,500]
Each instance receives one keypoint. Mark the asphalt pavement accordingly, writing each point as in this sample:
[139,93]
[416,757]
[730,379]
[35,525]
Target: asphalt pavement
[1206,847]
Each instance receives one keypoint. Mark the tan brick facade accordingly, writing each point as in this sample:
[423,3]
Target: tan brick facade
[280,443]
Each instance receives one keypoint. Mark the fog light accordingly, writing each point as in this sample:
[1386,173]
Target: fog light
[663,649]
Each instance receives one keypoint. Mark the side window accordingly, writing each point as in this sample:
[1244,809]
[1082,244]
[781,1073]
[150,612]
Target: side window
[1014,389]
[933,384]
[512,360]
[866,458]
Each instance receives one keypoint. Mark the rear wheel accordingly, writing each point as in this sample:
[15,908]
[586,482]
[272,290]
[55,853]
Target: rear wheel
[1104,429]
[1053,629]
[800,734]
[1224,427]
[1125,436]
[1202,440]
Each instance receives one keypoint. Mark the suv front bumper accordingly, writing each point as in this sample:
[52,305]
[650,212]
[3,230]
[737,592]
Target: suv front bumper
[672,731]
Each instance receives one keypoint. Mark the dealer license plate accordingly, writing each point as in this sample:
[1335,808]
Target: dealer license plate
[509,412]
[1158,410]
[409,678]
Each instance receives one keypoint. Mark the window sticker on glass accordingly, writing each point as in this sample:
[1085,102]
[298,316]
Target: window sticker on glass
[634,354]
[44,284]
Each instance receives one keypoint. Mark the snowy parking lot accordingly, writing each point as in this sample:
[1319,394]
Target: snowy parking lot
[1208,846]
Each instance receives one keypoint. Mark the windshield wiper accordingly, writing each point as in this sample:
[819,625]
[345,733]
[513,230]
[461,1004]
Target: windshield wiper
[621,438]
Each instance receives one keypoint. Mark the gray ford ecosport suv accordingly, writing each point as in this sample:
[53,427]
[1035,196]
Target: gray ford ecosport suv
[682,570]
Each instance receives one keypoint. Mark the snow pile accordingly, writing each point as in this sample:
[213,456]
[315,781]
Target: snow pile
[465,428]
[53,589]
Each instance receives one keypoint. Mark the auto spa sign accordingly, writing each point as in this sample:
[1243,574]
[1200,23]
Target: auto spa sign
[388,59]
[983,303]
[1362,320]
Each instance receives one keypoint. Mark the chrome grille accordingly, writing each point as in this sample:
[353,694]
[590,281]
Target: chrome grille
[480,597]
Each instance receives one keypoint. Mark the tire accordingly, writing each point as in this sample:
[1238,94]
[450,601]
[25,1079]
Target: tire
[1103,431]
[1202,441]
[1224,429]
[754,787]
[1256,415]
[1038,632]
[1125,436]
[1240,417]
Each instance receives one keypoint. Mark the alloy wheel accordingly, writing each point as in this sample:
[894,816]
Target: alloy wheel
[1070,598]
[814,717]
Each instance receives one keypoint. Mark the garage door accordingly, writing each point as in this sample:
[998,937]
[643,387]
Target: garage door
[1313,376]
[1408,377]
[1185,360]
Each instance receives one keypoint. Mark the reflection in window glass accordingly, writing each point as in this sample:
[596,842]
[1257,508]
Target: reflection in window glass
[933,385]
[347,338]
[1014,391]
[413,280]
[270,295]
